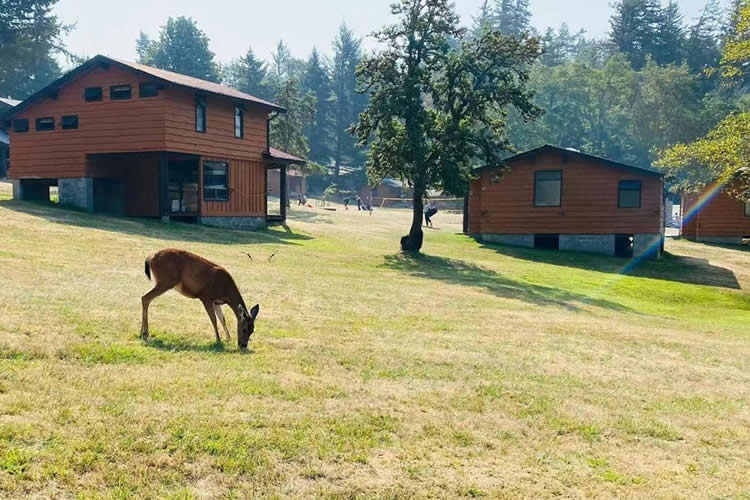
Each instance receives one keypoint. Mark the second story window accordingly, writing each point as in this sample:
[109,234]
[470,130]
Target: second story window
[120,92]
[200,114]
[47,123]
[239,122]
[21,125]
[148,90]
[92,94]
[69,122]
[629,195]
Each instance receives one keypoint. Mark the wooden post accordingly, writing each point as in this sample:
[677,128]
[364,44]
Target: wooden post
[283,194]
[164,208]
[466,214]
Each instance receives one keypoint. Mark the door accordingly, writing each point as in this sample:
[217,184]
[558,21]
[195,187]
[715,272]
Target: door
[182,196]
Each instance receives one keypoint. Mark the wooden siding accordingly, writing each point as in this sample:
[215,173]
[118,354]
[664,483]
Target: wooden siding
[218,140]
[106,126]
[589,200]
[247,190]
[722,216]
[140,177]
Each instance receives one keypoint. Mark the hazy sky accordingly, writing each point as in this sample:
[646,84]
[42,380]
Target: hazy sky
[111,28]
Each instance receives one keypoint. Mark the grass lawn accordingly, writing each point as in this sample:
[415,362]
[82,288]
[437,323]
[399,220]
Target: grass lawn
[473,371]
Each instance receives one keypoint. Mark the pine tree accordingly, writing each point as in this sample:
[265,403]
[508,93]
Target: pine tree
[249,74]
[483,21]
[281,61]
[347,103]
[512,17]
[636,29]
[319,132]
[669,44]
[702,50]
[287,131]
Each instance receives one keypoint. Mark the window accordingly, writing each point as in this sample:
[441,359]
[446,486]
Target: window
[747,208]
[70,122]
[47,123]
[119,92]
[547,188]
[629,194]
[21,125]
[200,114]
[215,181]
[93,94]
[148,90]
[239,122]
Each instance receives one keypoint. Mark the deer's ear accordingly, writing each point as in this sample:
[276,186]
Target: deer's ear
[254,311]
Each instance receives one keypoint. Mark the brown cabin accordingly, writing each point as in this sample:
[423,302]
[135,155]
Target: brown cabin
[715,217]
[562,199]
[126,139]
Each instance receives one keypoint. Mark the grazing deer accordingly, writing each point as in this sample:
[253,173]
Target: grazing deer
[197,278]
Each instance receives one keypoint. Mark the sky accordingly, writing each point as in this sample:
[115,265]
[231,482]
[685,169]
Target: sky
[111,28]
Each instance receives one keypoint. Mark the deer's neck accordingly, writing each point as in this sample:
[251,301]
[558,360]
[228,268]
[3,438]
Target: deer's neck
[234,300]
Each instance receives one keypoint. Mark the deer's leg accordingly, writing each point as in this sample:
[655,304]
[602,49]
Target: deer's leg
[209,305]
[222,320]
[145,302]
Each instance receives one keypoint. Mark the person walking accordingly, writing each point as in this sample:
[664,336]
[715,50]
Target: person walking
[429,211]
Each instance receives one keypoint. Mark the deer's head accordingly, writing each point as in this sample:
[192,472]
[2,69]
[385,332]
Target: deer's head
[246,325]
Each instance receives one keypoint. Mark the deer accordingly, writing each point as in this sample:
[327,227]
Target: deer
[197,278]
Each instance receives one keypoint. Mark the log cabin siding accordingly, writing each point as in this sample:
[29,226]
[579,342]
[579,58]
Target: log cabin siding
[106,126]
[589,199]
[722,216]
[247,190]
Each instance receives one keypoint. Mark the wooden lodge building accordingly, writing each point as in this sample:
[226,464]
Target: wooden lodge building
[562,199]
[715,217]
[127,139]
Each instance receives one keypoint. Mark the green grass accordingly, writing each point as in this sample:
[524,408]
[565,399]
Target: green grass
[473,371]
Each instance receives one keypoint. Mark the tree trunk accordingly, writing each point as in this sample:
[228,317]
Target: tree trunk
[413,241]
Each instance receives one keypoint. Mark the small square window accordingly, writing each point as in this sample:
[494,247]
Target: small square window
[148,90]
[239,122]
[200,114]
[120,92]
[43,124]
[215,181]
[70,122]
[21,125]
[747,208]
[548,188]
[93,94]
[629,195]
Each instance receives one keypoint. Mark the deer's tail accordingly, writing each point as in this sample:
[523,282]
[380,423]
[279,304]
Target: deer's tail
[148,269]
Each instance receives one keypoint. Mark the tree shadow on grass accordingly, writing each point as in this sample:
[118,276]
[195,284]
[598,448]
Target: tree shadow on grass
[463,273]
[669,267]
[151,228]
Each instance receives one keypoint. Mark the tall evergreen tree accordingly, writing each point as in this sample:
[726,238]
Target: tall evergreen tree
[670,37]
[483,21]
[347,103]
[635,28]
[702,43]
[249,74]
[512,17]
[561,46]
[30,38]
[319,133]
[287,131]
[281,61]
[182,47]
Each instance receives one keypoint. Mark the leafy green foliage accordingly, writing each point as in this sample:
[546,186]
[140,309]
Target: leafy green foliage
[30,38]
[436,111]
[182,47]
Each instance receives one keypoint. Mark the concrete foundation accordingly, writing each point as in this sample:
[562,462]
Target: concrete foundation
[514,240]
[647,245]
[720,240]
[589,243]
[241,223]
[77,192]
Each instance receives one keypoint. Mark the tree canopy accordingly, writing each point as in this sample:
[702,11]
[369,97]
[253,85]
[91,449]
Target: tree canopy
[436,111]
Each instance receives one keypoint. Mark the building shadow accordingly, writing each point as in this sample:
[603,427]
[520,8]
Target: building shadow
[669,267]
[463,273]
[151,228]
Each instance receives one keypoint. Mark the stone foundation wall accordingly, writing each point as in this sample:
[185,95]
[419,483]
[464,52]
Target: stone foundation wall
[648,245]
[514,240]
[588,243]
[241,223]
[77,192]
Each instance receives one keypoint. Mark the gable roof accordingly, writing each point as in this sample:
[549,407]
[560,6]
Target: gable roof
[277,154]
[610,163]
[161,75]
[9,102]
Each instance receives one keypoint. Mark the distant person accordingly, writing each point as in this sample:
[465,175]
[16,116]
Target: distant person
[359,203]
[346,203]
[300,201]
[429,211]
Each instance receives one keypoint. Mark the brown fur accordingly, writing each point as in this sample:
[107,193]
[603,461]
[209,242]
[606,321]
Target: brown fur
[198,278]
